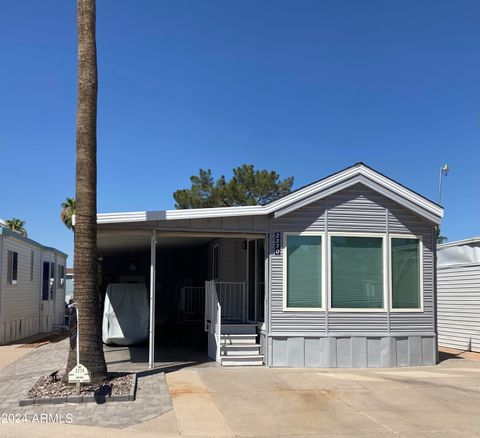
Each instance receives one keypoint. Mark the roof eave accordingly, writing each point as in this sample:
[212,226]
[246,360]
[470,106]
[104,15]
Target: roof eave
[322,188]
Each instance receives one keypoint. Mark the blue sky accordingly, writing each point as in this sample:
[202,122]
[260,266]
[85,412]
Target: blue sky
[303,87]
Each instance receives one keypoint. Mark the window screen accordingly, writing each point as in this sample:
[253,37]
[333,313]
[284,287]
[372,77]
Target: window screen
[357,272]
[304,271]
[405,273]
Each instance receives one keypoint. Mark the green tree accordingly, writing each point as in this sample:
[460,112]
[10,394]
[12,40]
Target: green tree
[17,225]
[246,187]
[85,293]
[69,209]
[440,238]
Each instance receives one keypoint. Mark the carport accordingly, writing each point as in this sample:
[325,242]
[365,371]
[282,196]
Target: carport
[175,258]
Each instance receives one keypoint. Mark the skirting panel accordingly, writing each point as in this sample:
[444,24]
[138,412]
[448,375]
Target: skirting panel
[16,329]
[351,352]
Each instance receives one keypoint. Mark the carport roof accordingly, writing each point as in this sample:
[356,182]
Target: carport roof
[359,173]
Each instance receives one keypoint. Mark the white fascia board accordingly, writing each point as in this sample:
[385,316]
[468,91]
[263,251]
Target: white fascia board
[403,191]
[352,176]
[312,189]
[291,202]
[360,179]
[132,216]
[193,213]
[201,213]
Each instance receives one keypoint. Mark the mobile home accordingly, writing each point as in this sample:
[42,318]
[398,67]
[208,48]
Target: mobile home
[339,273]
[32,287]
[458,277]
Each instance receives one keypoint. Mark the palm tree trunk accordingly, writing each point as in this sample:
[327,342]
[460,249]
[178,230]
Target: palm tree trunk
[85,244]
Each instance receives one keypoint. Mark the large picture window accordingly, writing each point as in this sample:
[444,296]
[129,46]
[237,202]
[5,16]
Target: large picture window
[357,273]
[405,274]
[304,271]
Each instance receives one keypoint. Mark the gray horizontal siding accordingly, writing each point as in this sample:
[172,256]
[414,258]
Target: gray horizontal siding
[459,307]
[241,224]
[310,217]
[356,209]
[402,220]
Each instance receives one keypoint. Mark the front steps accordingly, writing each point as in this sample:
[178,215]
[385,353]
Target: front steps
[238,345]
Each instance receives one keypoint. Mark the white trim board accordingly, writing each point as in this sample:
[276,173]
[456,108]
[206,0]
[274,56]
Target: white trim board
[358,173]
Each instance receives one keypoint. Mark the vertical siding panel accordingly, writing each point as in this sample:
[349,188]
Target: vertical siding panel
[459,307]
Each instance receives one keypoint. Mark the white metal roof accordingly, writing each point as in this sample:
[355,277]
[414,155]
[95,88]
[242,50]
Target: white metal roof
[470,241]
[356,174]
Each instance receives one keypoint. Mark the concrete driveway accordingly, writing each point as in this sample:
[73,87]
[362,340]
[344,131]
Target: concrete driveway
[409,402]
[440,401]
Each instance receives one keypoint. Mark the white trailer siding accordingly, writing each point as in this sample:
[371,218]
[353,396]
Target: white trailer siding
[20,303]
[458,285]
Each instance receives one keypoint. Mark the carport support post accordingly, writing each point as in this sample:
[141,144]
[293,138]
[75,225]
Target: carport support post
[151,341]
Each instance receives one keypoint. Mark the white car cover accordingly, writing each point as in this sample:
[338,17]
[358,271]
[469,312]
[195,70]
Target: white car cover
[125,314]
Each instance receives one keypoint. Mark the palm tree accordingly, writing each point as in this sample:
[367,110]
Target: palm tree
[17,225]
[69,209]
[85,237]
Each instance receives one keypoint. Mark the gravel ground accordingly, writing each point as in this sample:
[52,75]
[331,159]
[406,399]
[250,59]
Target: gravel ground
[53,386]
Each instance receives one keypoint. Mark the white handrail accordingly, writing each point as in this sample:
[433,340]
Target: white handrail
[232,298]
[224,301]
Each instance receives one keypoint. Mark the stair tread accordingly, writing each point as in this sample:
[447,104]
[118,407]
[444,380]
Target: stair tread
[236,335]
[240,346]
[244,356]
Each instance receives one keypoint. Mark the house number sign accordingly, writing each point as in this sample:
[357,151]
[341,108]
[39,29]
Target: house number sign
[278,243]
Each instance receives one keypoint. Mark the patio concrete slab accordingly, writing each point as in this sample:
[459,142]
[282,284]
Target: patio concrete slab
[238,380]
[195,410]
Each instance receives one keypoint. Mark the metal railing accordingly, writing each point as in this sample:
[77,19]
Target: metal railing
[224,302]
[233,300]
[192,300]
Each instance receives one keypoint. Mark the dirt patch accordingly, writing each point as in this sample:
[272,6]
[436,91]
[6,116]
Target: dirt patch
[53,386]
[186,388]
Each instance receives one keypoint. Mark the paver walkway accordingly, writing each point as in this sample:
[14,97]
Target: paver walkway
[17,378]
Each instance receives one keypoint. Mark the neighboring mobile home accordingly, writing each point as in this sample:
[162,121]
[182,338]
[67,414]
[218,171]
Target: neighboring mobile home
[458,280]
[32,287]
[339,273]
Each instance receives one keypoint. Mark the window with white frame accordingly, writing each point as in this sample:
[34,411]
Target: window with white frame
[356,272]
[12,274]
[303,259]
[406,272]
